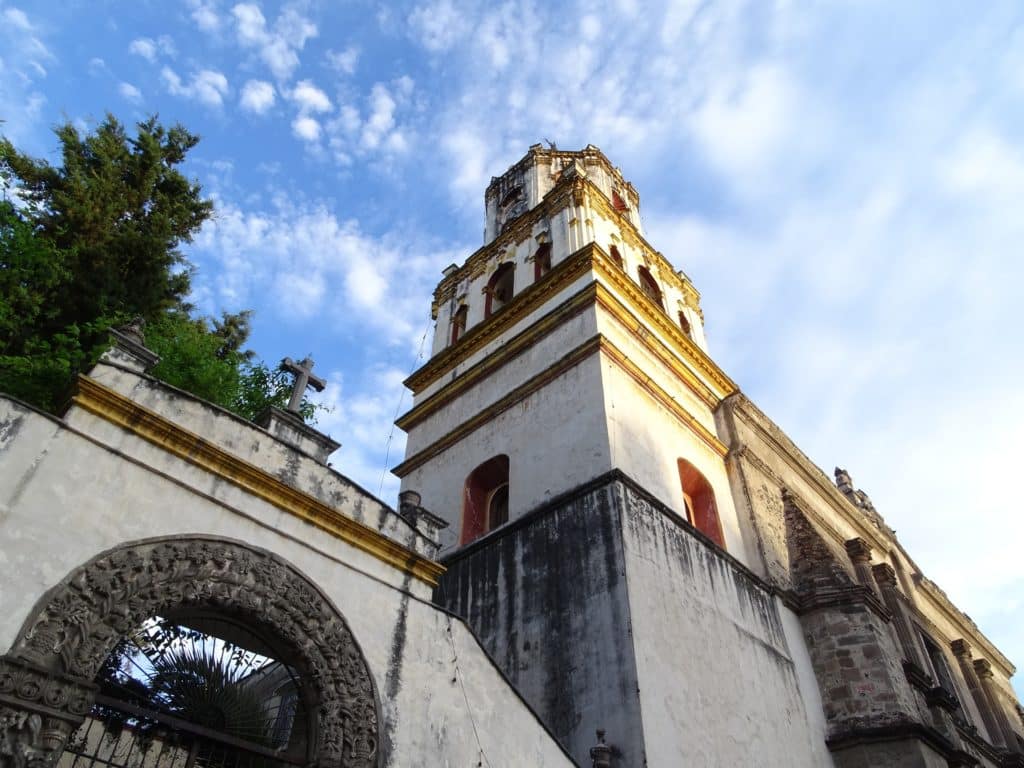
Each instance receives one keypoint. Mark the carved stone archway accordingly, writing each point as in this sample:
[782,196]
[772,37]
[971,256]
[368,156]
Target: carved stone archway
[46,681]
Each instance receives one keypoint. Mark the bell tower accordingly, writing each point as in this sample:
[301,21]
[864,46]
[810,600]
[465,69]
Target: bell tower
[565,427]
[566,347]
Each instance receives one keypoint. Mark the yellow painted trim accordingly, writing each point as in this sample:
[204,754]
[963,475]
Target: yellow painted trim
[525,302]
[654,317]
[520,393]
[154,428]
[611,304]
[621,359]
[593,345]
[500,357]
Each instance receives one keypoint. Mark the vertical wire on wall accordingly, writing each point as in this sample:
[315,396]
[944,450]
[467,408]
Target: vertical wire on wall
[398,408]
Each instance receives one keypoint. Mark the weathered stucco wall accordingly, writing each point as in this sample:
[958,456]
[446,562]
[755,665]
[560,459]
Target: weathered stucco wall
[607,612]
[65,499]
[556,439]
[547,597]
[718,683]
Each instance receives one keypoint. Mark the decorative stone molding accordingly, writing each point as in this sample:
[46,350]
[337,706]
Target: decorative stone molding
[89,612]
[38,711]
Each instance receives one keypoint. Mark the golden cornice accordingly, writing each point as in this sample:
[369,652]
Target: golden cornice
[668,357]
[517,232]
[499,357]
[621,359]
[188,446]
[640,310]
[655,317]
[596,344]
[593,294]
[570,360]
[522,304]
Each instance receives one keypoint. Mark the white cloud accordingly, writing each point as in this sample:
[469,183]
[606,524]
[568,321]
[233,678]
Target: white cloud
[257,96]
[151,49]
[130,92]
[206,86]
[17,19]
[205,16]
[23,63]
[278,47]
[439,25]
[309,98]
[344,61]
[306,128]
[143,47]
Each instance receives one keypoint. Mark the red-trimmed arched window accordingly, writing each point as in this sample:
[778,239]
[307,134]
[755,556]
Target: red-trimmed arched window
[616,256]
[684,323]
[459,322]
[617,202]
[500,288]
[649,285]
[542,261]
[701,510]
[485,499]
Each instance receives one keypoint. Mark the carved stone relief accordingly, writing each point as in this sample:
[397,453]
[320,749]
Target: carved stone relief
[61,648]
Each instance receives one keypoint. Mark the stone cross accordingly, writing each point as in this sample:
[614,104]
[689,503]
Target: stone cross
[303,378]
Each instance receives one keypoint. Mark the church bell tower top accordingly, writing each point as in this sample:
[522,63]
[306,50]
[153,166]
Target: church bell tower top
[524,185]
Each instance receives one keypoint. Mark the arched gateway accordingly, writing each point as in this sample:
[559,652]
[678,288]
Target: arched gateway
[114,624]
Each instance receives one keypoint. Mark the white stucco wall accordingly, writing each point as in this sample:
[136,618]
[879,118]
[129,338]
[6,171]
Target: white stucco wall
[556,439]
[718,684]
[65,499]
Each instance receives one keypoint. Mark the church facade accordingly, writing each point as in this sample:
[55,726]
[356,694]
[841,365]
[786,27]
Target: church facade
[597,531]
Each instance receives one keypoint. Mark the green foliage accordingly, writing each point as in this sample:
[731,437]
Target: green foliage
[93,243]
[117,209]
[210,362]
[90,244]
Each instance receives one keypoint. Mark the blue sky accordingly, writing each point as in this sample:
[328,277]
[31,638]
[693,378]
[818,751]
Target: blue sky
[842,181]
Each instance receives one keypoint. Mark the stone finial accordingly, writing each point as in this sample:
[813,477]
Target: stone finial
[426,523]
[843,481]
[128,347]
[960,648]
[983,667]
[601,753]
[134,330]
[858,550]
[884,574]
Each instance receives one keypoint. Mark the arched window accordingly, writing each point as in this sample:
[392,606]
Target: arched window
[485,499]
[617,202]
[649,285]
[500,288]
[701,510]
[459,322]
[684,323]
[542,261]
[616,256]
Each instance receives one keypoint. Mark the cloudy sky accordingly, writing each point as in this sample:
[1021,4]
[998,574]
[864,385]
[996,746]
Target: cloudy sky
[843,182]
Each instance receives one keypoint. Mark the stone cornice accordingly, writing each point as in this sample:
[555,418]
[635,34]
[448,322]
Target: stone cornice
[968,629]
[188,446]
[783,447]
[525,302]
[631,307]
[797,460]
[595,344]
[572,190]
